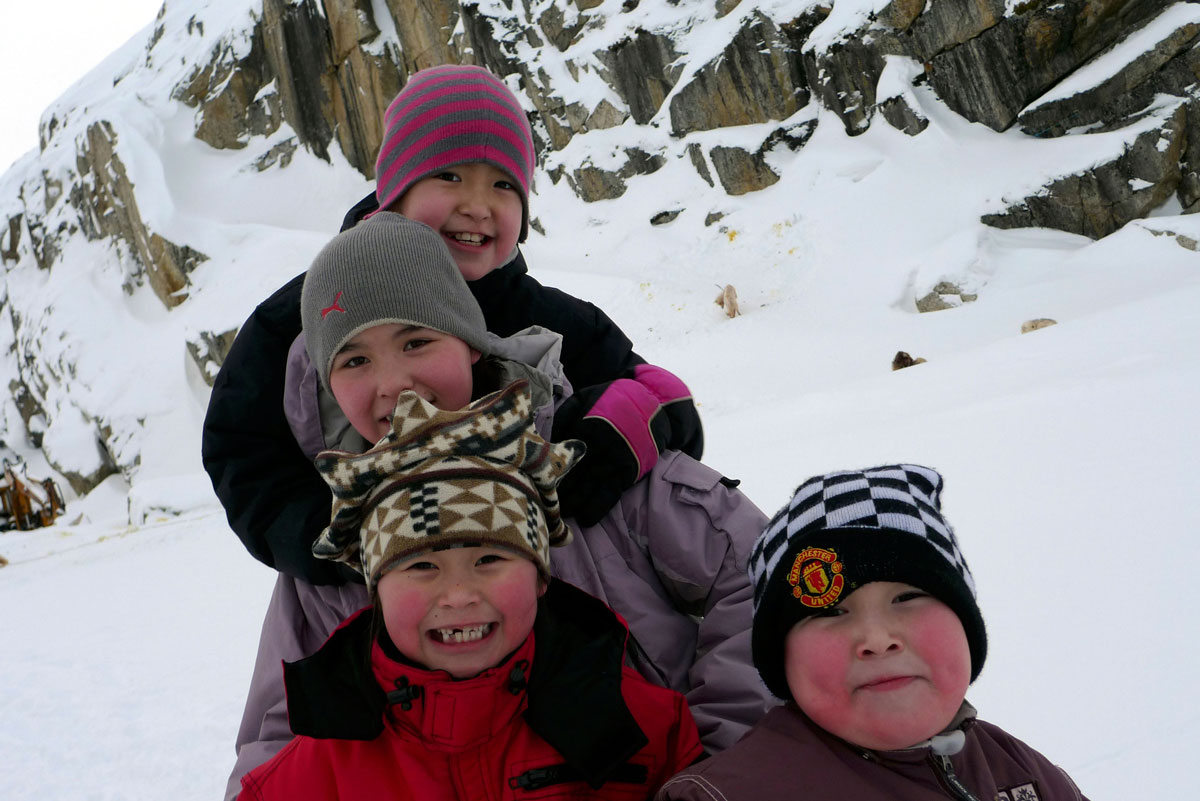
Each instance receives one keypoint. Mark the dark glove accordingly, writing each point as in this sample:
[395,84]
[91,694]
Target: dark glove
[625,424]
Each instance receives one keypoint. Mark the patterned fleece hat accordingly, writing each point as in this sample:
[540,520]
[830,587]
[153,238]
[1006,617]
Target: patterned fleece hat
[843,530]
[388,269]
[451,115]
[481,475]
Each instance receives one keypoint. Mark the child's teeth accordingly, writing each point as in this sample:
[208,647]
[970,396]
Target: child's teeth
[473,239]
[469,634]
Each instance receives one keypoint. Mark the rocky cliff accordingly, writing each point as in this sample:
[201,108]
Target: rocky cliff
[616,90]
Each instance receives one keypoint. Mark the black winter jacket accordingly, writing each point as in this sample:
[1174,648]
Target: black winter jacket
[275,500]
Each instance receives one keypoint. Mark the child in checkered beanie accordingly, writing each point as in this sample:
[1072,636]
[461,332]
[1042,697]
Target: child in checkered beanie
[866,625]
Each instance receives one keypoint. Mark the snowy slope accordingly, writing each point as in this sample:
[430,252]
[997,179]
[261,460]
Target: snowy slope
[1070,453]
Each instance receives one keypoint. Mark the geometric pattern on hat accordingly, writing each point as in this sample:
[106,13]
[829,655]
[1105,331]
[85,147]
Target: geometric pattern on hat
[902,497]
[479,474]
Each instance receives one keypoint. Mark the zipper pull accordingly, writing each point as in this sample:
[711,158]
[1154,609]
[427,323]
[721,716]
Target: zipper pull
[404,694]
[533,779]
[960,790]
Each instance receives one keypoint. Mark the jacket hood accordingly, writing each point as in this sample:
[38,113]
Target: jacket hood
[576,675]
[318,423]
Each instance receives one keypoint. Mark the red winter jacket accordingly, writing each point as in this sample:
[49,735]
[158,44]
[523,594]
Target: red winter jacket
[566,721]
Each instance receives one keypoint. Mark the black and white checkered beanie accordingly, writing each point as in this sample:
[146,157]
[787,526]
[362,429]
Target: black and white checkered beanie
[843,530]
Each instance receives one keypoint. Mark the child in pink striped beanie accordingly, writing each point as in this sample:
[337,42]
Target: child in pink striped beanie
[458,155]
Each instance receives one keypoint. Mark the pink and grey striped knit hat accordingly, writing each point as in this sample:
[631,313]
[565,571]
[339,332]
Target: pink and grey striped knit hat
[453,114]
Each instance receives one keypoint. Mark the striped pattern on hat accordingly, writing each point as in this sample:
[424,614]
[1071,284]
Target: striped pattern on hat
[481,475]
[453,114]
[842,530]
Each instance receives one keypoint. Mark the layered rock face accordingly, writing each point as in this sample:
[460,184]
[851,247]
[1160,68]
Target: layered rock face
[318,74]
[329,69]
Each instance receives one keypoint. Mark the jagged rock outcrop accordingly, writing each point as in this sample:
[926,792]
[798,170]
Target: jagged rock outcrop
[658,90]
[756,78]
[1099,201]
[593,183]
[208,350]
[107,207]
[1169,66]
[984,63]
[643,70]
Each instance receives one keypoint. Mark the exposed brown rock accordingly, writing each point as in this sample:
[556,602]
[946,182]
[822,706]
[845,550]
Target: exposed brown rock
[643,71]
[426,31]
[903,117]
[297,42]
[1039,323]
[365,85]
[990,77]
[1170,67]
[696,154]
[741,172]
[726,6]
[902,360]
[727,299]
[1100,200]
[944,295]
[107,207]
[755,79]
[351,23]
[10,239]
[208,351]
[592,183]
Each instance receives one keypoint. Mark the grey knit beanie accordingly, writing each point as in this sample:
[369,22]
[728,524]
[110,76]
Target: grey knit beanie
[387,269]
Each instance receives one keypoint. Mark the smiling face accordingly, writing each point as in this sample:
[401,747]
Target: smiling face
[461,610]
[475,207]
[377,364]
[886,668]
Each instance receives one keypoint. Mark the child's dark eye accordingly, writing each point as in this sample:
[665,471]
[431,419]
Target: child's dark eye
[354,361]
[447,176]
[506,185]
[420,566]
[490,558]
[829,611]
[911,595]
[413,344]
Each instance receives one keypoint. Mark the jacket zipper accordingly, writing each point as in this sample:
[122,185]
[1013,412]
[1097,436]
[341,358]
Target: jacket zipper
[945,770]
[537,778]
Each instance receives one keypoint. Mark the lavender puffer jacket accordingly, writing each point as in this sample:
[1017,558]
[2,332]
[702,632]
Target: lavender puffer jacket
[670,558]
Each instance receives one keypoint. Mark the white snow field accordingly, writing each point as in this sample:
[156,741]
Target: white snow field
[1071,454]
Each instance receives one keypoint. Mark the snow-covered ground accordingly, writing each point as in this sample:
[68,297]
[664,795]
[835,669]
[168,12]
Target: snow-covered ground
[1070,453]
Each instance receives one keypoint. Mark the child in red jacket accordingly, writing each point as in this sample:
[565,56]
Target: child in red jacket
[865,622]
[474,675]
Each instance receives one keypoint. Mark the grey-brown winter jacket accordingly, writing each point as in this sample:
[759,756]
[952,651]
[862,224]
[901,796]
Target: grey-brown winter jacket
[787,756]
[670,558]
